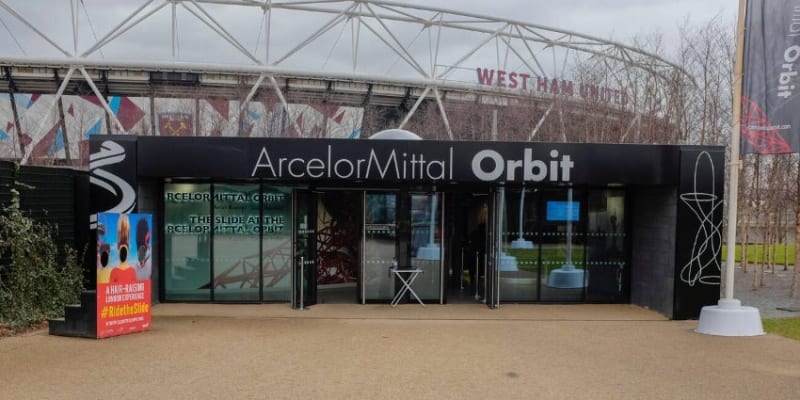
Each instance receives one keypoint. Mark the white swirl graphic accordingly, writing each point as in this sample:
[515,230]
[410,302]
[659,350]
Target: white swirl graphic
[111,153]
[708,237]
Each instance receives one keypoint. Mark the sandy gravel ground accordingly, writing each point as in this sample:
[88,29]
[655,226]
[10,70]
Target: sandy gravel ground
[409,352]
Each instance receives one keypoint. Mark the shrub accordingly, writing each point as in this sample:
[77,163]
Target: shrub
[36,280]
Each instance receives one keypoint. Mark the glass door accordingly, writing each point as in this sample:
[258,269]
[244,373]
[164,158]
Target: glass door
[519,258]
[304,217]
[338,246]
[426,250]
[493,247]
[607,269]
[380,246]
[465,221]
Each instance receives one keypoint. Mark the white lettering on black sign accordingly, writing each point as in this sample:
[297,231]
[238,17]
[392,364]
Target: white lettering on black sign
[396,165]
[486,165]
[532,170]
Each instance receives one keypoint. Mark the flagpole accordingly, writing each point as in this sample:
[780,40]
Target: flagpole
[735,163]
[729,317]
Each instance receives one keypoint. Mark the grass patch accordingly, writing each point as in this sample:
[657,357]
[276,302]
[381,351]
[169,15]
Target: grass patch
[757,252]
[787,327]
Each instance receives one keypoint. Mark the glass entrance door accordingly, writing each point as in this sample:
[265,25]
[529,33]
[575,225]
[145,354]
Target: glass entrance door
[403,230]
[304,217]
[519,272]
[338,251]
[465,222]
[426,247]
[494,245]
[380,246]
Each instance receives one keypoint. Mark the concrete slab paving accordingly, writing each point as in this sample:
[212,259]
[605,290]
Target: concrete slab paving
[408,352]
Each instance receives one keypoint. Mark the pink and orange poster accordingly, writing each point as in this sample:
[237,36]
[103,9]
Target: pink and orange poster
[123,273]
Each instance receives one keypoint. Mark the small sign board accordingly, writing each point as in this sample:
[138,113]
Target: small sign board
[563,211]
[124,267]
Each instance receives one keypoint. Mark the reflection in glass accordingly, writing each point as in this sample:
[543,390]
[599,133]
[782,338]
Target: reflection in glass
[236,251]
[380,245]
[519,269]
[562,251]
[567,276]
[338,240]
[276,243]
[425,240]
[187,235]
[606,247]
[520,242]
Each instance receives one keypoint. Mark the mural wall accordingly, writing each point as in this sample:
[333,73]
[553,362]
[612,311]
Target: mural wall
[42,132]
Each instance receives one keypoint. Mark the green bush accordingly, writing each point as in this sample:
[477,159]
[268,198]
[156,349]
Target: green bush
[36,280]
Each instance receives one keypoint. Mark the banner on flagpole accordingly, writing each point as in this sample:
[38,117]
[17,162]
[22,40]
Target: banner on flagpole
[770,121]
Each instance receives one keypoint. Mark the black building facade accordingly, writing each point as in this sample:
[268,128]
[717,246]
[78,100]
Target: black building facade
[274,219]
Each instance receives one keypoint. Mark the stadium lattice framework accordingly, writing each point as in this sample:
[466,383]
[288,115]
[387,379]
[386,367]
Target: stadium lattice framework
[307,69]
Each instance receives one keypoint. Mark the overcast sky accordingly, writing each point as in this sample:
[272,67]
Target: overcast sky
[618,20]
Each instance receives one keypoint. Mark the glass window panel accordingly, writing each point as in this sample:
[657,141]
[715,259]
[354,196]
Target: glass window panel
[426,247]
[606,247]
[519,260]
[187,232]
[277,243]
[563,245]
[236,236]
[380,246]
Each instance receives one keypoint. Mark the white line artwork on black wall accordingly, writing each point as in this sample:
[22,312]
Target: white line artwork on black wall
[110,153]
[704,266]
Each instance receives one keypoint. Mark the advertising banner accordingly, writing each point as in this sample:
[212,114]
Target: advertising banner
[123,273]
[770,122]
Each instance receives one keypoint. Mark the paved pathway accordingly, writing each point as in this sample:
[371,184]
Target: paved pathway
[408,352]
[774,293]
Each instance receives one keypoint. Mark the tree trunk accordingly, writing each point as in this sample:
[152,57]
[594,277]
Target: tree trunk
[745,229]
[796,276]
[786,240]
[765,239]
[757,217]
[769,228]
[743,194]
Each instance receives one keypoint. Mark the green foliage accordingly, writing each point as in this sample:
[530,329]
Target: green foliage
[777,252]
[36,280]
[788,327]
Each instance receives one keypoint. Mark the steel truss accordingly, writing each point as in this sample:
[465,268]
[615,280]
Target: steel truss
[442,64]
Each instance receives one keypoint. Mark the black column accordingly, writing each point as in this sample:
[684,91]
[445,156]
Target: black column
[698,232]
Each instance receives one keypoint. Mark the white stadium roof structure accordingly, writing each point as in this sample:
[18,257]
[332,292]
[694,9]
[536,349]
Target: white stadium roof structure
[358,54]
